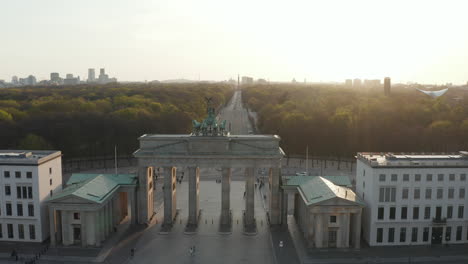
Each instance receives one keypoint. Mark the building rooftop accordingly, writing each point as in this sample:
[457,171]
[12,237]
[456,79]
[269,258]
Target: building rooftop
[318,189]
[374,159]
[94,187]
[340,180]
[27,157]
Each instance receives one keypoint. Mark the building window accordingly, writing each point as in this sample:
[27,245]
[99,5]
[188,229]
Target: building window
[415,213]
[332,218]
[50,182]
[448,233]
[21,231]
[25,192]
[382,177]
[51,193]
[440,177]
[32,231]
[417,193]
[18,192]
[414,234]
[463,177]
[379,235]
[19,209]
[428,177]
[50,170]
[449,212]
[461,193]
[387,194]
[394,177]
[29,174]
[30,210]
[10,230]
[460,211]
[404,213]
[30,192]
[405,177]
[451,177]
[426,234]
[380,213]
[402,234]
[428,193]
[440,193]
[7,190]
[459,233]
[1,231]
[391,235]
[9,211]
[392,213]
[451,193]
[17,174]
[417,177]
[6,174]
[76,216]
[427,212]
[404,193]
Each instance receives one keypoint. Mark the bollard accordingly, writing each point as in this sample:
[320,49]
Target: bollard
[205,221]
[237,221]
[211,220]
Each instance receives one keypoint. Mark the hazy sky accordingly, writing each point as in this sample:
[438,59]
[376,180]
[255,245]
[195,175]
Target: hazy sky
[136,40]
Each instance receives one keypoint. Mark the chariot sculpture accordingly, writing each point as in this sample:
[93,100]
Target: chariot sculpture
[209,126]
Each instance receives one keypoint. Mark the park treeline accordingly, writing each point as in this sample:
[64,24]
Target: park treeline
[89,120]
[335,121]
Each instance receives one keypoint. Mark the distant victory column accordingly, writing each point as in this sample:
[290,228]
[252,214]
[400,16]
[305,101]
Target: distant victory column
[238,81]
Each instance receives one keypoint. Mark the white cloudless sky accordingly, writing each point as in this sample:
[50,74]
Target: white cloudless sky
[328,40]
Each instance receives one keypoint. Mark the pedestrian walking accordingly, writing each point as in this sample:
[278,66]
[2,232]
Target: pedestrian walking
[132,252]
[191,251]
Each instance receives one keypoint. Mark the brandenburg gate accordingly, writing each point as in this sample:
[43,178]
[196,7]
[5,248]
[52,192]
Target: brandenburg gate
[208,146]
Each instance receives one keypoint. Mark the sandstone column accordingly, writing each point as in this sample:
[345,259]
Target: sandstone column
[357,229]
[249,197]
[132,203]
[194,179]
[170,205]
[52,226]
[226,196]
[284,220]
[318,231]
[275,215]
[65,228]
[97,228]
[83,225]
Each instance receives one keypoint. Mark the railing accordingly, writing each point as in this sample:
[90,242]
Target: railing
[438,220]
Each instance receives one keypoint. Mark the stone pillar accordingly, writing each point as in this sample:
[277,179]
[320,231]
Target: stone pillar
[343,231]
[66,228]
[83,226]
[143,214]
[226,196]
[275,211]
[106,220]
[194,179]
[102,234]
[97,228]
[318,239]
[133,205]
[284,215]
[324,228]
[170,205]
[52,226]
[357,229]
[249,196]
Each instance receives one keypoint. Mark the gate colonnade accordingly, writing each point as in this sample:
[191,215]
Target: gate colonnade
[248,152]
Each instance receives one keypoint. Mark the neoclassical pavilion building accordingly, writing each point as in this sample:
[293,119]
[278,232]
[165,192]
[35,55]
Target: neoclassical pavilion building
[90,207]
[326,210]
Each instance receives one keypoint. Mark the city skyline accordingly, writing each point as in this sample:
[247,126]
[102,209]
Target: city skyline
[419,41]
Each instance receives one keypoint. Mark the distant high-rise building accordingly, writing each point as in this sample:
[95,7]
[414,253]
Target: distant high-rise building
[349,82]
[104,78]
[357,83]
[31,80]
[387,85]
[55,78]
[247,80]
[14,80]
[70,80]
[91,75]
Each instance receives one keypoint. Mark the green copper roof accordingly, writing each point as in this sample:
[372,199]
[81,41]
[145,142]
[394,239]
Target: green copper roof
[316,189]
[338,180]
[123,179]
[94,187]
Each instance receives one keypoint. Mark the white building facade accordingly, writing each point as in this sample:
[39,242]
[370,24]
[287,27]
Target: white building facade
[413,199]
[27,178]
